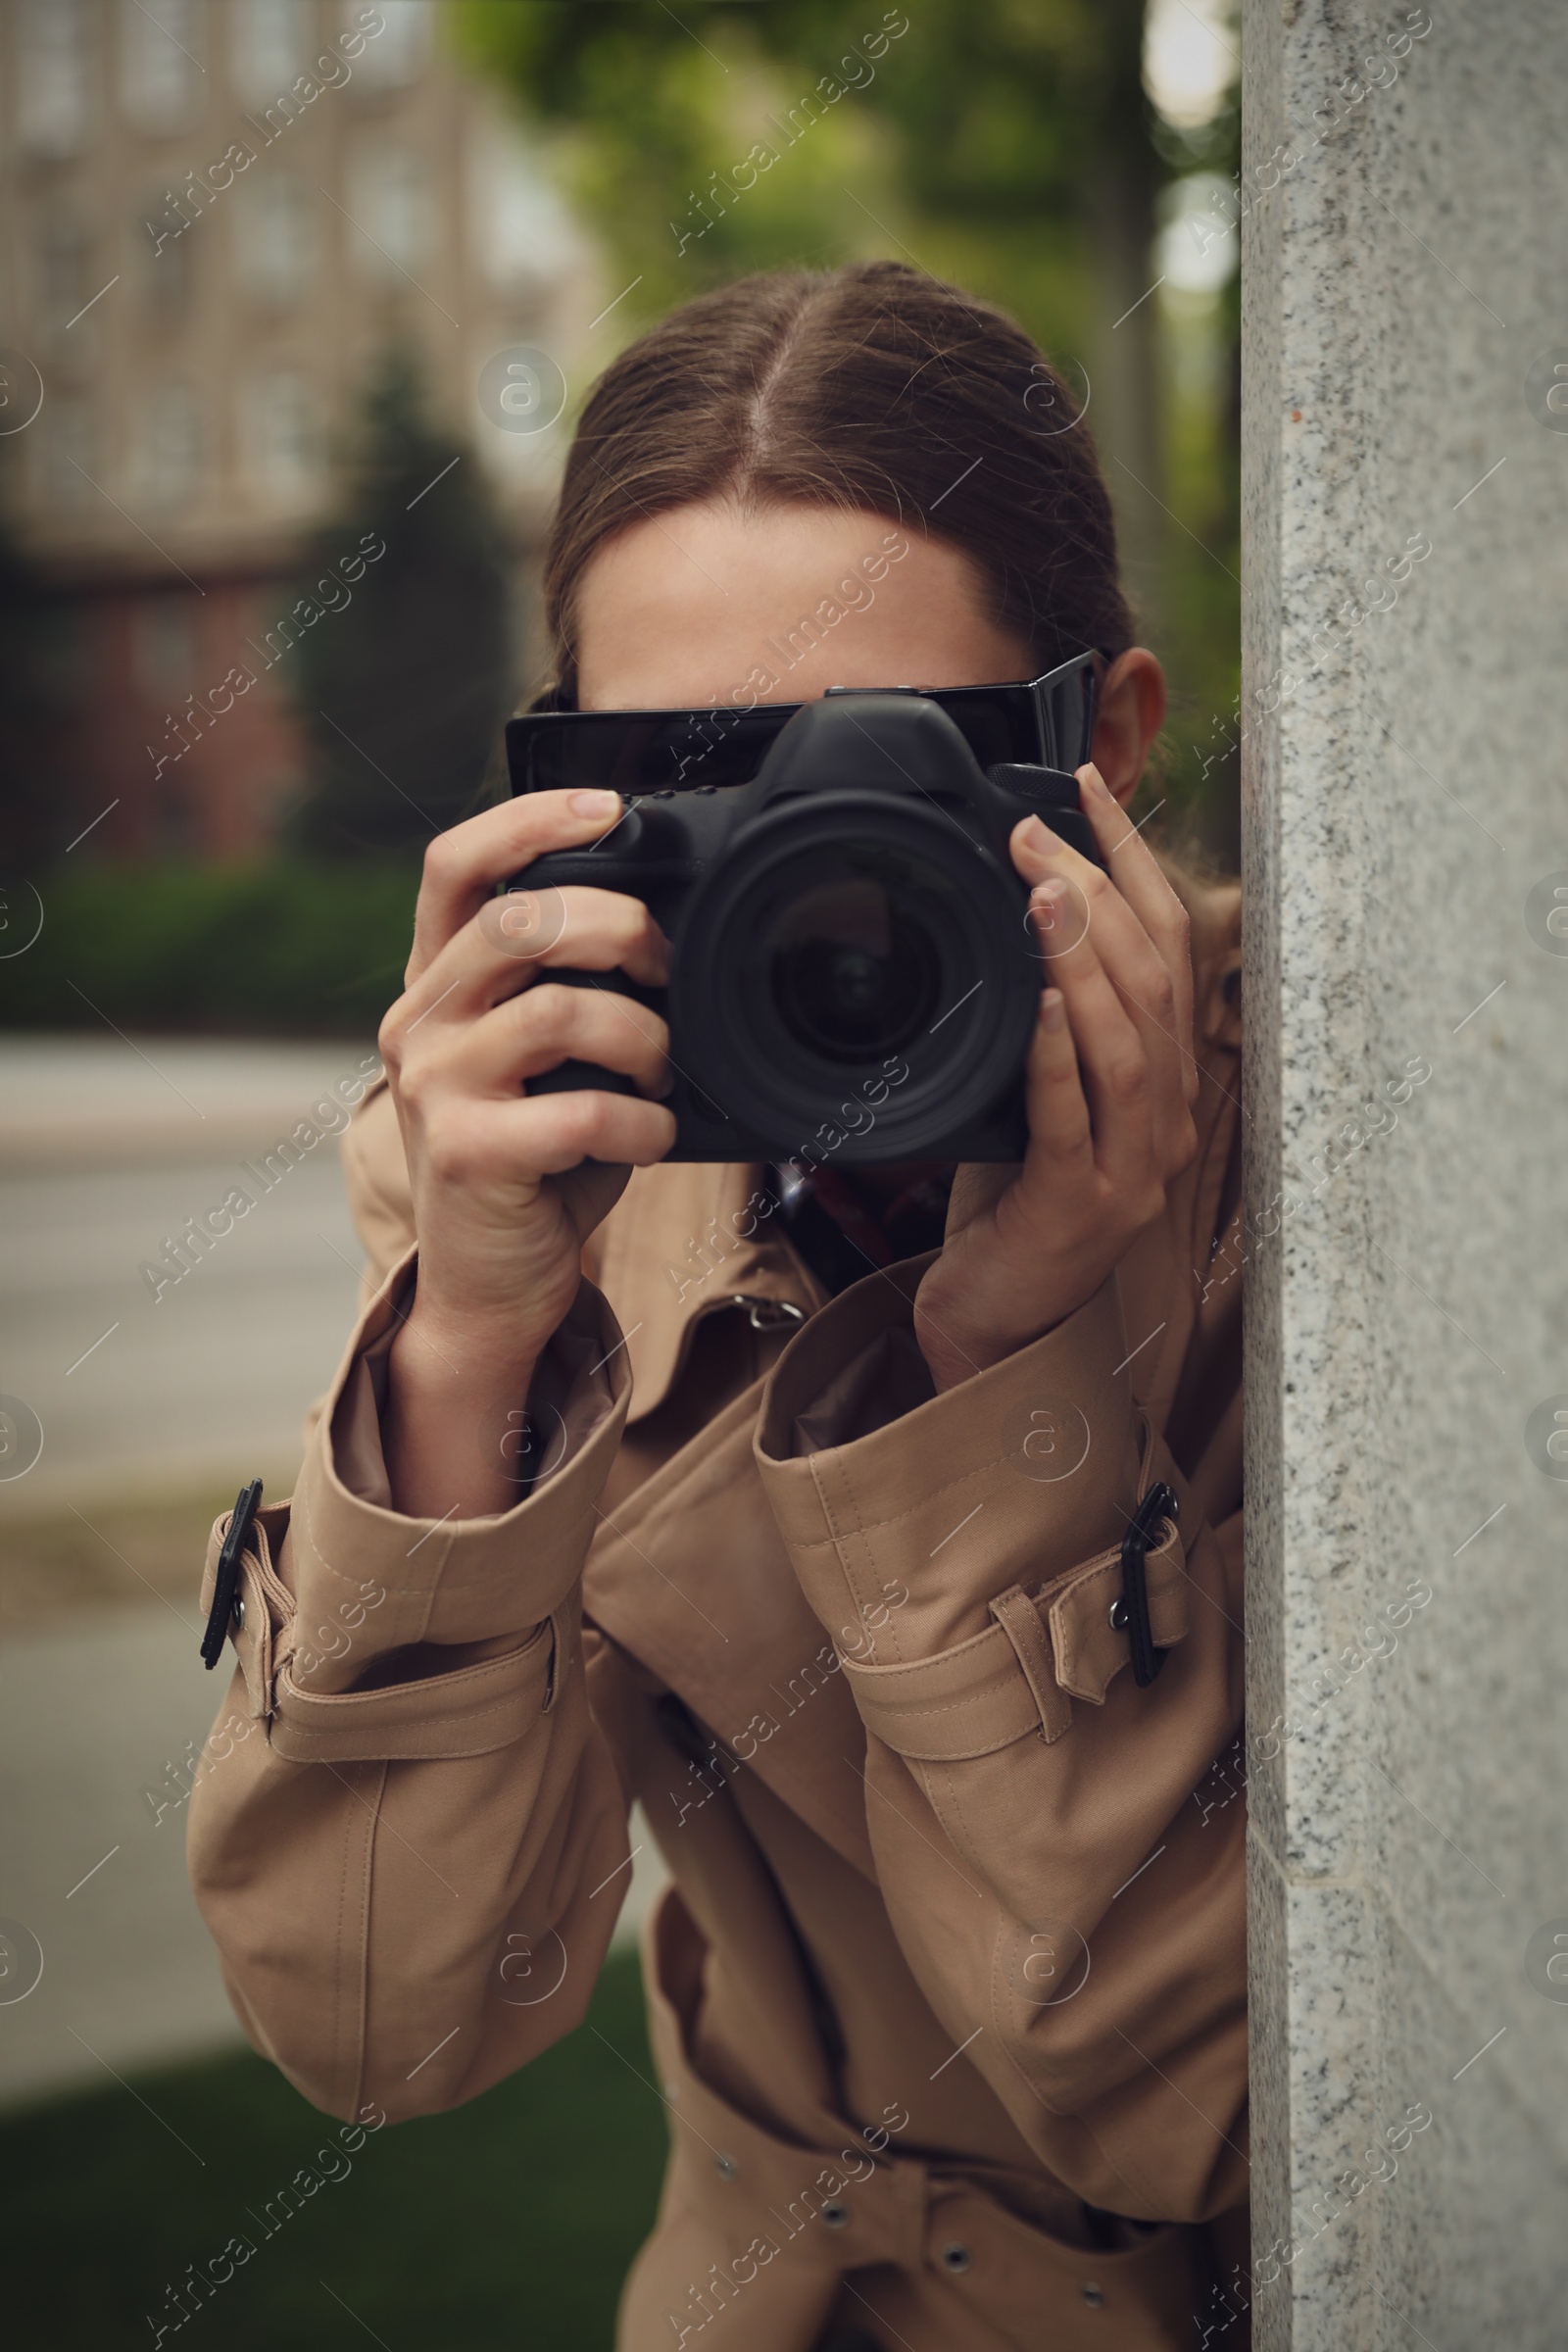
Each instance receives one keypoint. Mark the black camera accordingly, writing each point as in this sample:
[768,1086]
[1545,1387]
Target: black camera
[854,974]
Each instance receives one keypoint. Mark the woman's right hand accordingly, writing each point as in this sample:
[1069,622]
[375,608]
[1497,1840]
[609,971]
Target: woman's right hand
[501,1200]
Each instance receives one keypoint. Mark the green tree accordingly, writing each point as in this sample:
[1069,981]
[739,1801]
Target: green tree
[405,672]
[1005,144]
[979,119]
[38,807]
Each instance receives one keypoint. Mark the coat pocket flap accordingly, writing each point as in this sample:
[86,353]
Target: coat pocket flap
[1089,1647]
[465,1713]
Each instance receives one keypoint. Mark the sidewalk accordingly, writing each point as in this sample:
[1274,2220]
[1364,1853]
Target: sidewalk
[96,1100]
[106,1146]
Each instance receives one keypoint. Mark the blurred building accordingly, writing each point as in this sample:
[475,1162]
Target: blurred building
[216,215]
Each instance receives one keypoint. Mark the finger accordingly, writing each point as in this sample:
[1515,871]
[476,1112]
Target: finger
[552,1132]
[461,867]
[1139,888]
[1061,1145]
[1139,876]
[586,930]
[1115,1071]
[529,1034]
[1136,869]
[1136,972]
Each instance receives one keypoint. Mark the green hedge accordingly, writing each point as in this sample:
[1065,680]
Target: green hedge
[285,948]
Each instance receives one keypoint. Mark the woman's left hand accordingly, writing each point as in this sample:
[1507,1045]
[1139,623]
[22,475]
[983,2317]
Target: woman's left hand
[1109,1085]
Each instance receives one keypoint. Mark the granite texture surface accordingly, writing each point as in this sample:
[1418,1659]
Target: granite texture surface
[1406,481]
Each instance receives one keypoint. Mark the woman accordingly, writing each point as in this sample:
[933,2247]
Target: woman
[820,1551]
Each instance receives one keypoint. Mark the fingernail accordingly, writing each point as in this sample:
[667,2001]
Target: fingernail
[1039,836]
[596,804]
[1047,899]
[1052,1008]
[1090,775]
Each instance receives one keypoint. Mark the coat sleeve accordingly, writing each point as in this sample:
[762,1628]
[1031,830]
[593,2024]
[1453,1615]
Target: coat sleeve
[1072,1915]
[406,1828]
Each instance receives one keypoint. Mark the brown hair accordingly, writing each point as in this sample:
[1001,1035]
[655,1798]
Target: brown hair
[872,388]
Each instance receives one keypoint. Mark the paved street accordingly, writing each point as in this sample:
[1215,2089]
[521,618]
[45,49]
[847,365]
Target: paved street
[105,1150]
[92,1714]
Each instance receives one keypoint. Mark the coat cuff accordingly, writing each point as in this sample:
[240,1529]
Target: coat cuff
[348,1605]
[907,1513]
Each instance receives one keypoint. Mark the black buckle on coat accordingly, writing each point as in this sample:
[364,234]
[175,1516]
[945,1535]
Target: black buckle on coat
[227,1581]
[1158,1505]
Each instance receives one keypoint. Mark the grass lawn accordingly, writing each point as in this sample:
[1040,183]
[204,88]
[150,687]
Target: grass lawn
[508,2224]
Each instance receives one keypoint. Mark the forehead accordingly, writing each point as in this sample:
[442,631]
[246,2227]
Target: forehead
[710,603]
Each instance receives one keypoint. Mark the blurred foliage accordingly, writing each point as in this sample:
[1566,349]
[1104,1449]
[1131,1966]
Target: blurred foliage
[510,2221]
[983,124]
[402,697]
[288,947]
[33,627]
[1007,145]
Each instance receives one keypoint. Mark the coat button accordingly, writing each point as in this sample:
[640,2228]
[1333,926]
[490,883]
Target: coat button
[239,1610]
[1117,1613]
[835,2215]
[954,2259]
[725,2166]
[1094,2295]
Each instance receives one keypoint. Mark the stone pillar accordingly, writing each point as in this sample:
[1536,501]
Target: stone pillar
[1404,686]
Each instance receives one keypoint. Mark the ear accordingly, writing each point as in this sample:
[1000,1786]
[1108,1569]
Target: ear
[1130,713]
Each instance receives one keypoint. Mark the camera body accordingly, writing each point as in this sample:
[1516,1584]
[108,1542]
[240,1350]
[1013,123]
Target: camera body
[854,974]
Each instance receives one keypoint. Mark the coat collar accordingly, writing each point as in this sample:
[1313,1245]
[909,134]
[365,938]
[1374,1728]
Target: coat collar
[684,1241]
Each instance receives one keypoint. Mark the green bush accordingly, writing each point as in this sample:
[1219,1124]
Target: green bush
[285,948]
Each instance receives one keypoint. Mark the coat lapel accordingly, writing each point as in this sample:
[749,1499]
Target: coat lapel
[683,1241]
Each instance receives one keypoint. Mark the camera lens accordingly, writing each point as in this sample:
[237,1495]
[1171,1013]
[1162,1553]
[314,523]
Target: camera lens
[852,950]
[852,966]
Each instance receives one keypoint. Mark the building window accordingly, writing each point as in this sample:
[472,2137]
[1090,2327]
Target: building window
[65,664]
[54,77]
[396,56]
[170,446]
[163,240]
[67,454]
[274,233]
[62,259]
[163,647]
[270,40]
[390,204]
[281,435]
[163,83]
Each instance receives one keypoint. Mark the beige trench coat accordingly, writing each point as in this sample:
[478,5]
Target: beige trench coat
[948,1991]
